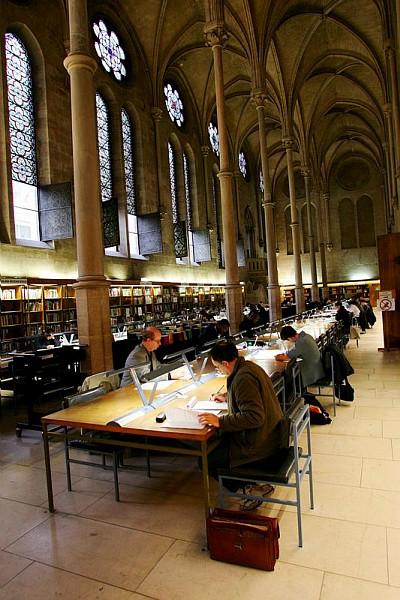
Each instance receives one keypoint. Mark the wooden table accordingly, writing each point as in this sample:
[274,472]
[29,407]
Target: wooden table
[97,414]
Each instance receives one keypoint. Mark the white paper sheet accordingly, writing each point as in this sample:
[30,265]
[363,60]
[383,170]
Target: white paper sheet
[180,418]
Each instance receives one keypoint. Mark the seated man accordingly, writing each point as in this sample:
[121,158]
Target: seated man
[303,346]
[343,315]
[251,429]
[215,330]
[143,353]
[47,340]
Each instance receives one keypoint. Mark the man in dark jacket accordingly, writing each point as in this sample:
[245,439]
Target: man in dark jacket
[251,429]
[343,315]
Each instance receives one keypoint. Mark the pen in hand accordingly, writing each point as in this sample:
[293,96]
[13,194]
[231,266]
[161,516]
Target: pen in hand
[214,396]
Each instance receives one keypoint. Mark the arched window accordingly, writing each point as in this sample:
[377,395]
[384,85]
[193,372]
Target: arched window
[347,224]
[214,138]
[243,165]
[22,139]
[103,141]
[130,189]
[250,234]
[110,206]
[365,222]
[218,220]
[174,104]
[188,202]
[172,183]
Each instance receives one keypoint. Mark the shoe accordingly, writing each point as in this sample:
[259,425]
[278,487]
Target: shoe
[250,504]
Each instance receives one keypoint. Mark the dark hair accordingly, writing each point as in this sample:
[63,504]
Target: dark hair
[223,325]
[338,304]
[224,350]
[287,332]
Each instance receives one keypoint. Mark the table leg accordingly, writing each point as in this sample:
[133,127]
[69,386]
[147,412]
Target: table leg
[206,481]
[48,468]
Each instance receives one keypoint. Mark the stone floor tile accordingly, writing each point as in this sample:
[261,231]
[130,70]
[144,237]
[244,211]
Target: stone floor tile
[393,540]
[337,587]
[10,566]
[186,571]
[17,518]
[114,555]
[381,474]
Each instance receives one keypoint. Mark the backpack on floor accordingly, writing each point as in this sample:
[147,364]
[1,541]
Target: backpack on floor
[318,414]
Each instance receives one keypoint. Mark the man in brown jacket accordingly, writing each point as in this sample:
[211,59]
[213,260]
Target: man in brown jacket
[251,429]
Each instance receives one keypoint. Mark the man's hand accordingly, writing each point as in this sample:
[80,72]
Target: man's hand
[209,419]
[218,397]
[281,357]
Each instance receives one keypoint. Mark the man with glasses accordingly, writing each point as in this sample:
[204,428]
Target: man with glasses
[143,353]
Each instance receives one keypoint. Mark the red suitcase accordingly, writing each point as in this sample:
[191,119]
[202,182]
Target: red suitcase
[243,538]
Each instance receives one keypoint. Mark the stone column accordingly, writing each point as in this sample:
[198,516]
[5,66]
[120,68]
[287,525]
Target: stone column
[236,175]
[391,152]
[325,200]
[295,227]
[157,114]
[313,265]
[274,292]
[324,271]
[93,311]
[215,36]
[210,215]
[391,58]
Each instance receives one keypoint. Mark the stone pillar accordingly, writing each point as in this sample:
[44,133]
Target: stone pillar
[274,292]
[324,271]
[236,175]
[295,227]
[93,311]
[325,200]
[313,265]
[392,164]
[157,114]
[391,58]
[215,36]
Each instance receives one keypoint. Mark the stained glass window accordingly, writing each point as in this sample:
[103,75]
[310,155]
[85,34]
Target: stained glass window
[243,164]
[188,197]
[261,182]
[103,141]
[172,181]
[22,138]
[109,50]
[129,170]
[214,138]
[174,105]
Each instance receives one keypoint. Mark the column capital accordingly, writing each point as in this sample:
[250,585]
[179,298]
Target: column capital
[387,109]
[288,143]
[157,113]
[215,33]
[305,171]
[259,97]
[388,47]
[205,150]
[76,60]
[325,195]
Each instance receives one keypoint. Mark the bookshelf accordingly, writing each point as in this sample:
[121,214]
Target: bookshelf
[27,308]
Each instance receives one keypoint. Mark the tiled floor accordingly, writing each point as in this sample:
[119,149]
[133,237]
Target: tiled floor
[151,544]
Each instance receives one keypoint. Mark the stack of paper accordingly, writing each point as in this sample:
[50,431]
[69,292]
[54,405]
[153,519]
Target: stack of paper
[179,418]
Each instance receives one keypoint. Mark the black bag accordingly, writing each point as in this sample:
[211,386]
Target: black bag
[318,414]
[344,391]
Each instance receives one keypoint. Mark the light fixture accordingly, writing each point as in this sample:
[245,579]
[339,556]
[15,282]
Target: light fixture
[329,246]
[277,250]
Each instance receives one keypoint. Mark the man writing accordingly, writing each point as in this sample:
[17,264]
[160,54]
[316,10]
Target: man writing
[143,353]
[251,429]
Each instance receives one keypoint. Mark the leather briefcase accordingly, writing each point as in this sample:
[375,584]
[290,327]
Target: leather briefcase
[243,538]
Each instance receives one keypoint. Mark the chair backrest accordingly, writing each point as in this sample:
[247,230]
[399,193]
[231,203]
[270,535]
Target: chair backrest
[107,379]
[83,397]
[278,381]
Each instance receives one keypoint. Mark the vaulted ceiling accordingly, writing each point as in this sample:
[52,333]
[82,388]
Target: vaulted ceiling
[321,62]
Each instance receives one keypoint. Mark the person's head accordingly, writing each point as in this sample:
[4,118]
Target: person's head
[288,333]
[151,338]
[48,334]
[338,305]
[222,326]
[224,356]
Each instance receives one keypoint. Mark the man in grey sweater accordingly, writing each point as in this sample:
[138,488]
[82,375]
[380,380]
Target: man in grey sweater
[143,355]
[305,347]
